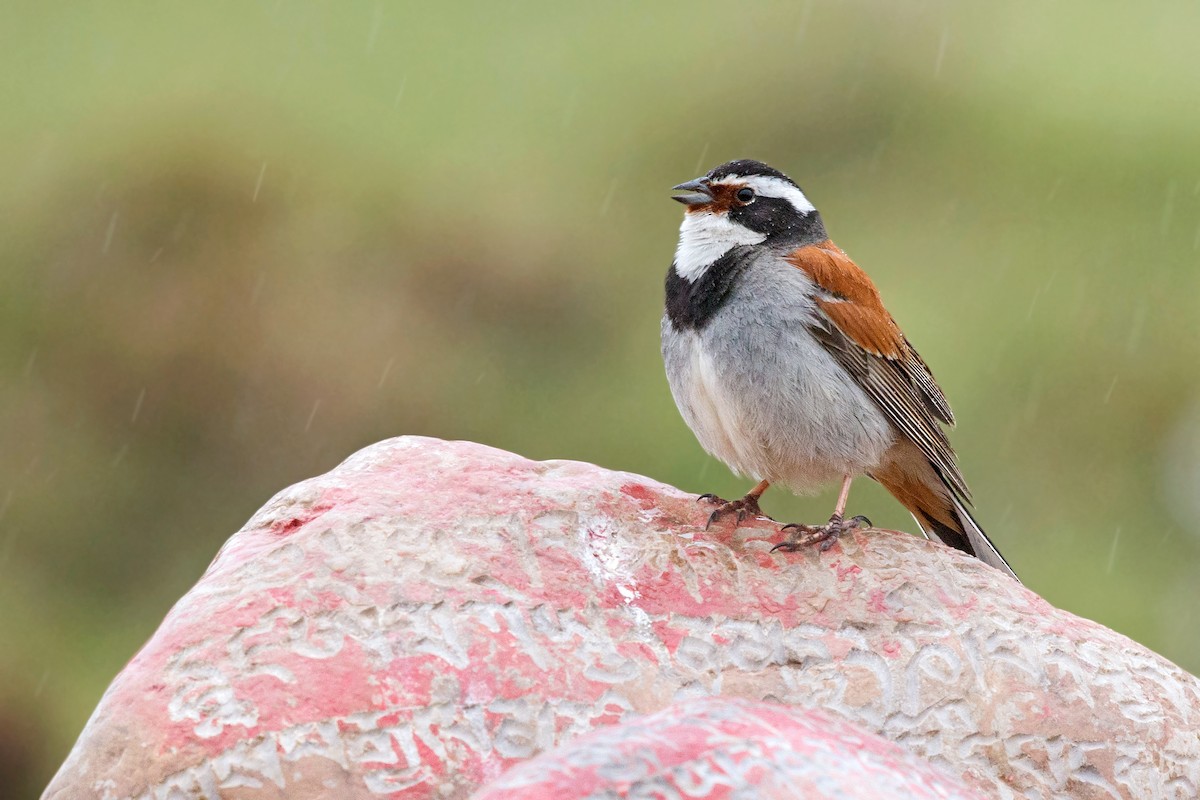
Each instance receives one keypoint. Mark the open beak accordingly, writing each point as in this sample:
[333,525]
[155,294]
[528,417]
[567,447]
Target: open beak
[698,192]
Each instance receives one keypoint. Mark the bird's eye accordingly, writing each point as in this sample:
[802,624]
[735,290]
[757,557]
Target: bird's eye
[746,196]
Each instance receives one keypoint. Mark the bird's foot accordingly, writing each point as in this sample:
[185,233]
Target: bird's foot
[740,510]
[824,535]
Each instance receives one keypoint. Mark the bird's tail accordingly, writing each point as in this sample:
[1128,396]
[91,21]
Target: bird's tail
[976,541]
[941,514]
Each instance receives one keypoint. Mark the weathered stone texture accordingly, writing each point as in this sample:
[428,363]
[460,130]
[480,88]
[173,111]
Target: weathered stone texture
[716,748]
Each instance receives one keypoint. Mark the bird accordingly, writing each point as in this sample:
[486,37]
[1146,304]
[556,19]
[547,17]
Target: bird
[784,362]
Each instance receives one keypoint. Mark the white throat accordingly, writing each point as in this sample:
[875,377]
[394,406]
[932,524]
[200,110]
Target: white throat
[704,237]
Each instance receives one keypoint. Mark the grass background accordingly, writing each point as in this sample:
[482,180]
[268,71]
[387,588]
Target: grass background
[242,240]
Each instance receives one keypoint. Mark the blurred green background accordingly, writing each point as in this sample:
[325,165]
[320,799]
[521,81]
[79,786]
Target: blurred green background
[242,240]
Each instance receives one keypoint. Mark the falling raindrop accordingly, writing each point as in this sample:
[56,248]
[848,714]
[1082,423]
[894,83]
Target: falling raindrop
[1058,183]
[1169,531]
[312,415]
[108,235]
[612,190]
[262,173]
[941,54]
[120,456]
[386,369]
[1111,386]
[1037,293]
[137,406]
[700,161]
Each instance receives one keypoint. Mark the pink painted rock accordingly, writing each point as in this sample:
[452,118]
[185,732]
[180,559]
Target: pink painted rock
[429,614]
[712,747]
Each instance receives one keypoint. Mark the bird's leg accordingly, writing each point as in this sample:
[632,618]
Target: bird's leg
[826,534]
[843,496]
[746,507]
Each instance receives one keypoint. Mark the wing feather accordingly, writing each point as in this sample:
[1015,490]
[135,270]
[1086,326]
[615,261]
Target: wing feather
[862,337]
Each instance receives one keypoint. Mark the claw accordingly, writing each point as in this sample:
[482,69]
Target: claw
[824,535]
[740,509]
[795,542]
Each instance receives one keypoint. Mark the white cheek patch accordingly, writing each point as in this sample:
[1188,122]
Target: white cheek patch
[704,237]
[768,186]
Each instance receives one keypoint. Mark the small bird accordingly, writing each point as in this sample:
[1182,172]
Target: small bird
[788,368]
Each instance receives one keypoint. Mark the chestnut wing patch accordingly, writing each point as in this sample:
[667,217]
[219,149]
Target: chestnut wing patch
[850,300]
[871,329]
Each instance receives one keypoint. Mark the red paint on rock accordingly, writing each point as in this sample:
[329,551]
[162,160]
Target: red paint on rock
[876,602]
[645,497]
[668,634]
[846,572]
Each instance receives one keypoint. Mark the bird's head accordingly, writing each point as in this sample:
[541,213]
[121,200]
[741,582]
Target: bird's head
[740,203]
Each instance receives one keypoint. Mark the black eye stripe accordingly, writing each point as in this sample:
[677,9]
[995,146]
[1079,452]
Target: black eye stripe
[778,219]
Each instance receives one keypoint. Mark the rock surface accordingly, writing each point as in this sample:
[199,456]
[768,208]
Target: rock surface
[429,614]
[709,748]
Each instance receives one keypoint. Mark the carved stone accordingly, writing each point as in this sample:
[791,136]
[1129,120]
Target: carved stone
[429,614]
[714,747]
